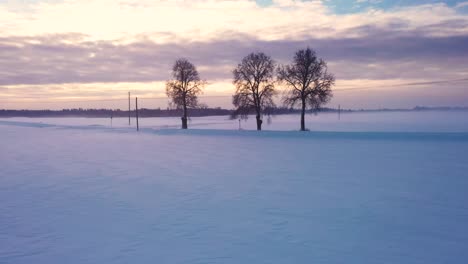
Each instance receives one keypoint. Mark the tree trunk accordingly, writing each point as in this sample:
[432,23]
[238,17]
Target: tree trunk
[303,115]
[184,123]
[184,118]
[259,123]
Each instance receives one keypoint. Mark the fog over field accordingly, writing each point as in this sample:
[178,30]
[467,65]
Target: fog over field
[375,188]
[415,121]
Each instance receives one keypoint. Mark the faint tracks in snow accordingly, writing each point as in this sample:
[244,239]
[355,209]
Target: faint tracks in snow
[400,136]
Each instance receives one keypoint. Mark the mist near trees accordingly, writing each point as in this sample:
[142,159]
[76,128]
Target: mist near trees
[306,81]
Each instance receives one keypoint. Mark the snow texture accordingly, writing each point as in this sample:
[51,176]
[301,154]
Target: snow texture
[72,191]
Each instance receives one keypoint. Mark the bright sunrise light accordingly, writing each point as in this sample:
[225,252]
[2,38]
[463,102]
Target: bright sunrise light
[89,50]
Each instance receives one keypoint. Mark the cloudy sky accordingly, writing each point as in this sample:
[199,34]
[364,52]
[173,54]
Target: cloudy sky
[59,53]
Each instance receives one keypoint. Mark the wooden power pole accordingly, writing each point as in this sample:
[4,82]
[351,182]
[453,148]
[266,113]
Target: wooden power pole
[339,112]
[136,111]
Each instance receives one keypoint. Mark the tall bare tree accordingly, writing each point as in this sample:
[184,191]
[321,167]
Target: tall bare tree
[184,88]
[254,81]
[308,82]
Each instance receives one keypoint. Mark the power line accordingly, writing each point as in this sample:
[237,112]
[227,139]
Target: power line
[403,84]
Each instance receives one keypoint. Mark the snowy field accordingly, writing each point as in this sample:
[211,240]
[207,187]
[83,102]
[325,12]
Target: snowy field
[430,121]
[375,188]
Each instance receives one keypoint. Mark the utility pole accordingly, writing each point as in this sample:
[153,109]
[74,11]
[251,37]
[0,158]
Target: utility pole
[136,111]
[129,109]
[339,112]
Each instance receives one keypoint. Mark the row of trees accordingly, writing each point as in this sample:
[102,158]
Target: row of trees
[306,80]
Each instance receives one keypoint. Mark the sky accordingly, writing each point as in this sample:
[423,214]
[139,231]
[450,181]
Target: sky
[90,53]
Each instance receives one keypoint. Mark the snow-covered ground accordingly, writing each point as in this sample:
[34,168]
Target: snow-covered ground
[77,191]
[427,121]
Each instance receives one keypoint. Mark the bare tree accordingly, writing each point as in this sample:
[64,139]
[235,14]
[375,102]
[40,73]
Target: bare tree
[184,88]
[308,82]
[255,89]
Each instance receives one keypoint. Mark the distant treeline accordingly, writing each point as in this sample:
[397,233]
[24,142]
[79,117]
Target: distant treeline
[415,109]
[107,113]
[197,112]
